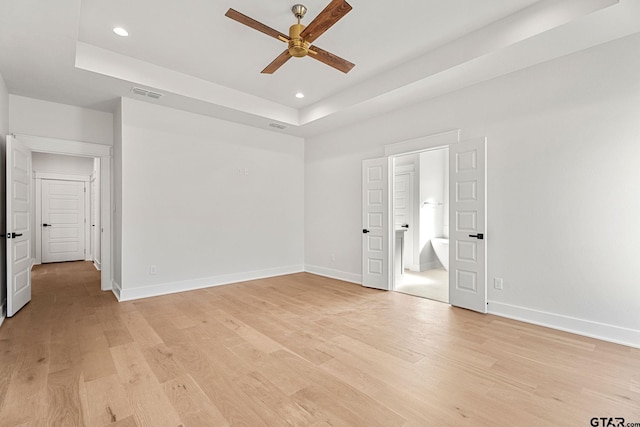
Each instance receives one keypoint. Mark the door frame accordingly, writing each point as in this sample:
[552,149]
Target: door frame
[104,154]
[94,215]
[39,176]
[430,142]
[425,143]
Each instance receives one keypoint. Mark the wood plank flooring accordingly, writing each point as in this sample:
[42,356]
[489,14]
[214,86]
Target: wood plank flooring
[297,350]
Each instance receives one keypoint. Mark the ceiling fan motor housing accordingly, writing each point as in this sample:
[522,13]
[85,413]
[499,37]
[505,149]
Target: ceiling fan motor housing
[297,46]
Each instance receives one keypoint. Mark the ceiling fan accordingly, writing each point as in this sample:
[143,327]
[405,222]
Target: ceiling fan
[301,37]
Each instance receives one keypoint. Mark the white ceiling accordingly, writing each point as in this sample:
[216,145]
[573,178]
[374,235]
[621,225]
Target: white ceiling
[65,51]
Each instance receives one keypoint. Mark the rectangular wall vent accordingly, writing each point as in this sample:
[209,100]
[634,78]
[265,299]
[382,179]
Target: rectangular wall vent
[144,92]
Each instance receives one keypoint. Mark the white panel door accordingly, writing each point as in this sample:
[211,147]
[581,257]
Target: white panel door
[403,213]
[467,248]
[18,225]
[375,224]
[63,220]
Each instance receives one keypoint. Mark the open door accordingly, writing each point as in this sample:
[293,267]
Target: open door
[375,224]
[18,225]
[467,219]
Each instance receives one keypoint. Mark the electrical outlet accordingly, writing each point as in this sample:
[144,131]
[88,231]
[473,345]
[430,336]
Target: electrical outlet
[498,283]
[153,270]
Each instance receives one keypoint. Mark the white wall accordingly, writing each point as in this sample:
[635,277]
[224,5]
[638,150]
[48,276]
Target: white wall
[563,143]
[56,163]
[4,129]
[432,186]
[206,201]
[117,198]
[49,119]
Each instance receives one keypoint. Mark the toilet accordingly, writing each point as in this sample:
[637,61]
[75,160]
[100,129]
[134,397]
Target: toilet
[441,247]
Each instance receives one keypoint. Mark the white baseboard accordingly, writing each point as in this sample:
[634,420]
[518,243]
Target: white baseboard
[128,294]
[97,265]
[412,267]
[116,289]
[615,334]
[3,311]
[334,274]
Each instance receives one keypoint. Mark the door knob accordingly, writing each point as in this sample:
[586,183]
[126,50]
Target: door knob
[365,231]
[478,236]
[46,225]
[13,235]
[405,225]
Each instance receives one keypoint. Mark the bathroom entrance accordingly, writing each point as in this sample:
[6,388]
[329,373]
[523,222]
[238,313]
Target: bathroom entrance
[420,201]
[398,244]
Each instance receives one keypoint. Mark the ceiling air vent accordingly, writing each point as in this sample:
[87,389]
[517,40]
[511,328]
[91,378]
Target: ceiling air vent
[277,126]
[144,92]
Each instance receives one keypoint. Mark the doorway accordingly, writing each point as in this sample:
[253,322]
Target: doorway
[383,244]
[102,158]
[62,207]
[20,209]
[421,206]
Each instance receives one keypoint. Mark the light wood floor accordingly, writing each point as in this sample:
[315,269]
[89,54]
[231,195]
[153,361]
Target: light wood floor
[296,350]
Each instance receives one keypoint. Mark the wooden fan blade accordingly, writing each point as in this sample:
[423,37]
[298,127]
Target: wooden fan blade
[250,22]
[331,59]
[277,63]
[329,16]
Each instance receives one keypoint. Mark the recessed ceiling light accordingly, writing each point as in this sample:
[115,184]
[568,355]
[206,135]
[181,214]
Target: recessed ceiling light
[300,95]
[121,31]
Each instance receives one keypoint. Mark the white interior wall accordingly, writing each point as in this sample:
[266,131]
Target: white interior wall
[52,120]
[4,130]
[56,163]
[562,150]
[206,201]
[432,213]
[117,197]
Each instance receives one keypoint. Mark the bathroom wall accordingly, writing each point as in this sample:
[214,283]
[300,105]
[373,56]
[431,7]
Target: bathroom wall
[431,205]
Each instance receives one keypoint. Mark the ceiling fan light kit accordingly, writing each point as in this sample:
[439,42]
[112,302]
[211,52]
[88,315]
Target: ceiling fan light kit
[300,36]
